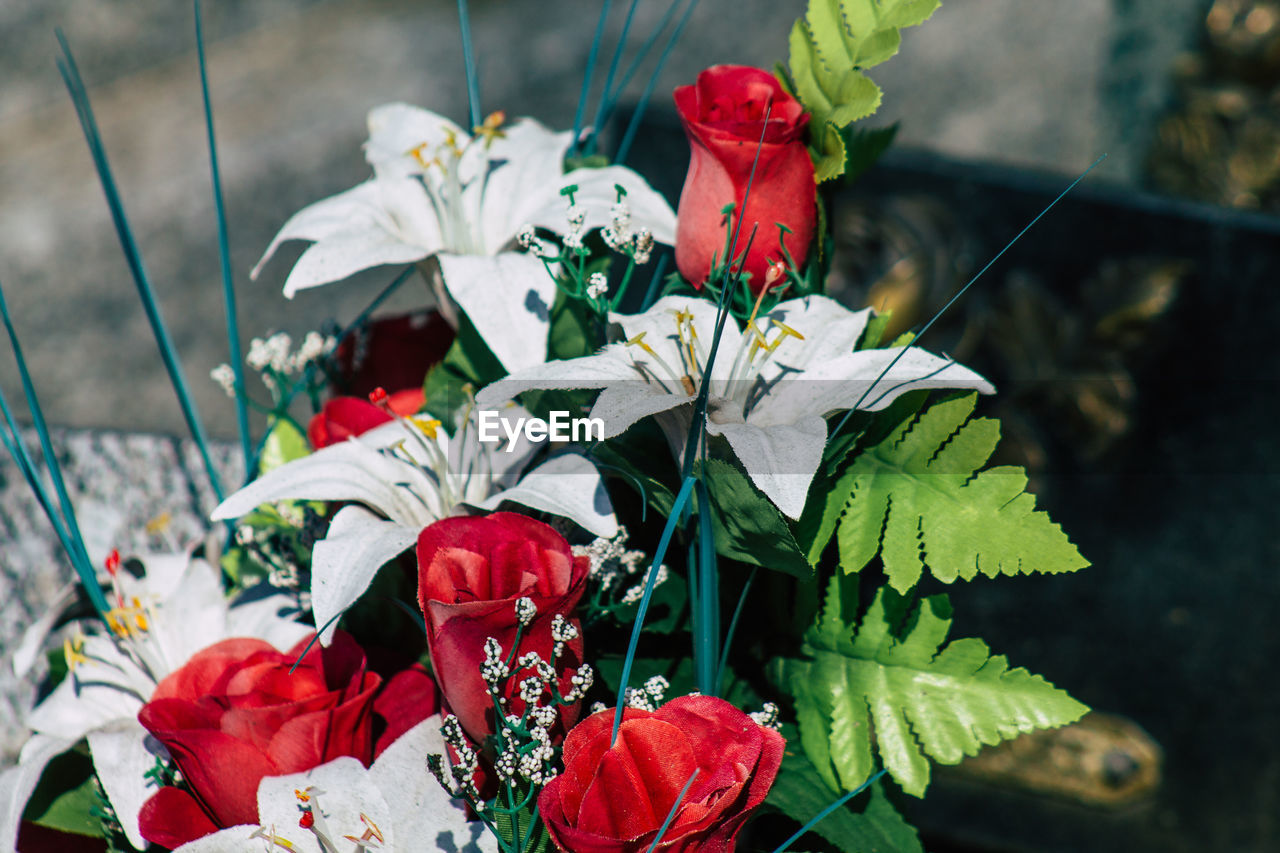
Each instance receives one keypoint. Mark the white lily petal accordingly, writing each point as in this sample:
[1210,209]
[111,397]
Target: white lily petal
[80,704]
[195,612]
[592,371]
[344,562]
[846,381]
[269,615]
[658,325]
[830,330]
[32,644]
[350,471]
[121,760]
[422,810]
[236,839]
[18,783]
[568,486]
[596,194]
[622,405]
[397,130]
[525,171]
[781,460]
[358,208]
[508,298]
[344,792]
[337,258]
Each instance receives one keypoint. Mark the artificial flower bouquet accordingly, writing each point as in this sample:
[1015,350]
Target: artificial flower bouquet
[587,556]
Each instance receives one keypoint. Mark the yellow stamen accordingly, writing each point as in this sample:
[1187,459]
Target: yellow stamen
[689,387]
[492,127]
[419,153]
[273,839]
[159,524]
[638,341]
[428,426]
[303,796]
[787,331]
[73,651]
[140,617]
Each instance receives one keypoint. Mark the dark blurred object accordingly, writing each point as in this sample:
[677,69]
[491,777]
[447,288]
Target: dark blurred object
[1220,143]
[1102,760]
[1062,351]
[393,353]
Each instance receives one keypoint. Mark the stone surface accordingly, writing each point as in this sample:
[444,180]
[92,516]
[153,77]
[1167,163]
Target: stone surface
[118,483]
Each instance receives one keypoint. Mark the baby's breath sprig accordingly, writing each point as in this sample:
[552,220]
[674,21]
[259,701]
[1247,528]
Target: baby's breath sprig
[576,273]
[524,758]
[615,576]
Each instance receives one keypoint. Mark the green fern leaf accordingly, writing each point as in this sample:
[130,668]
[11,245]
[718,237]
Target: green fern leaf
[830,47]
[914,499]
[892,684]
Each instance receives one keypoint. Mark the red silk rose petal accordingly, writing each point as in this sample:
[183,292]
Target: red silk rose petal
[265,721]
[223,772]
[341,418]
[407,402]
[171,817]
[610,799]
[406,699]
[199,675]
[723,117]
[471,571]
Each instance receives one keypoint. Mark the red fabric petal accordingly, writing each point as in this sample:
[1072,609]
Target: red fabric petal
[172,817]
[406,699]
[200,675]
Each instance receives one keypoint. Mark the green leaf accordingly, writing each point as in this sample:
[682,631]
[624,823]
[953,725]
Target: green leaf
[284,443]
[748,527]
[467,366]
[869,824]
[65,796]
[865,145]
[572,327]
[830,47]
[914,499]
[891,684]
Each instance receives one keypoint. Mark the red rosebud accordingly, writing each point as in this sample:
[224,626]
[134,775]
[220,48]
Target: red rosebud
[614,798]
[344,417]
[234,713]
[724,117]
[471,571]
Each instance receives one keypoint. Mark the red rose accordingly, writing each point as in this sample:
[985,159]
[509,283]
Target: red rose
[234,714]
[723,116]
[344,417]
[614,799]
[392,352]
[471,571]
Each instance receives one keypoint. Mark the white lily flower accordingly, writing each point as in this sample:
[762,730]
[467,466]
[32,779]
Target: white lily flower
[401,477]
[395,806]
[160,620]
[772,384]
[437,191]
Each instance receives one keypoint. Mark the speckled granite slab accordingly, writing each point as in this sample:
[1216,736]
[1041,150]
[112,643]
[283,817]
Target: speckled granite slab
[118,482]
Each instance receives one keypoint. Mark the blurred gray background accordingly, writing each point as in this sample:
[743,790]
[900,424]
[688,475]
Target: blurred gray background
[1038,83]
